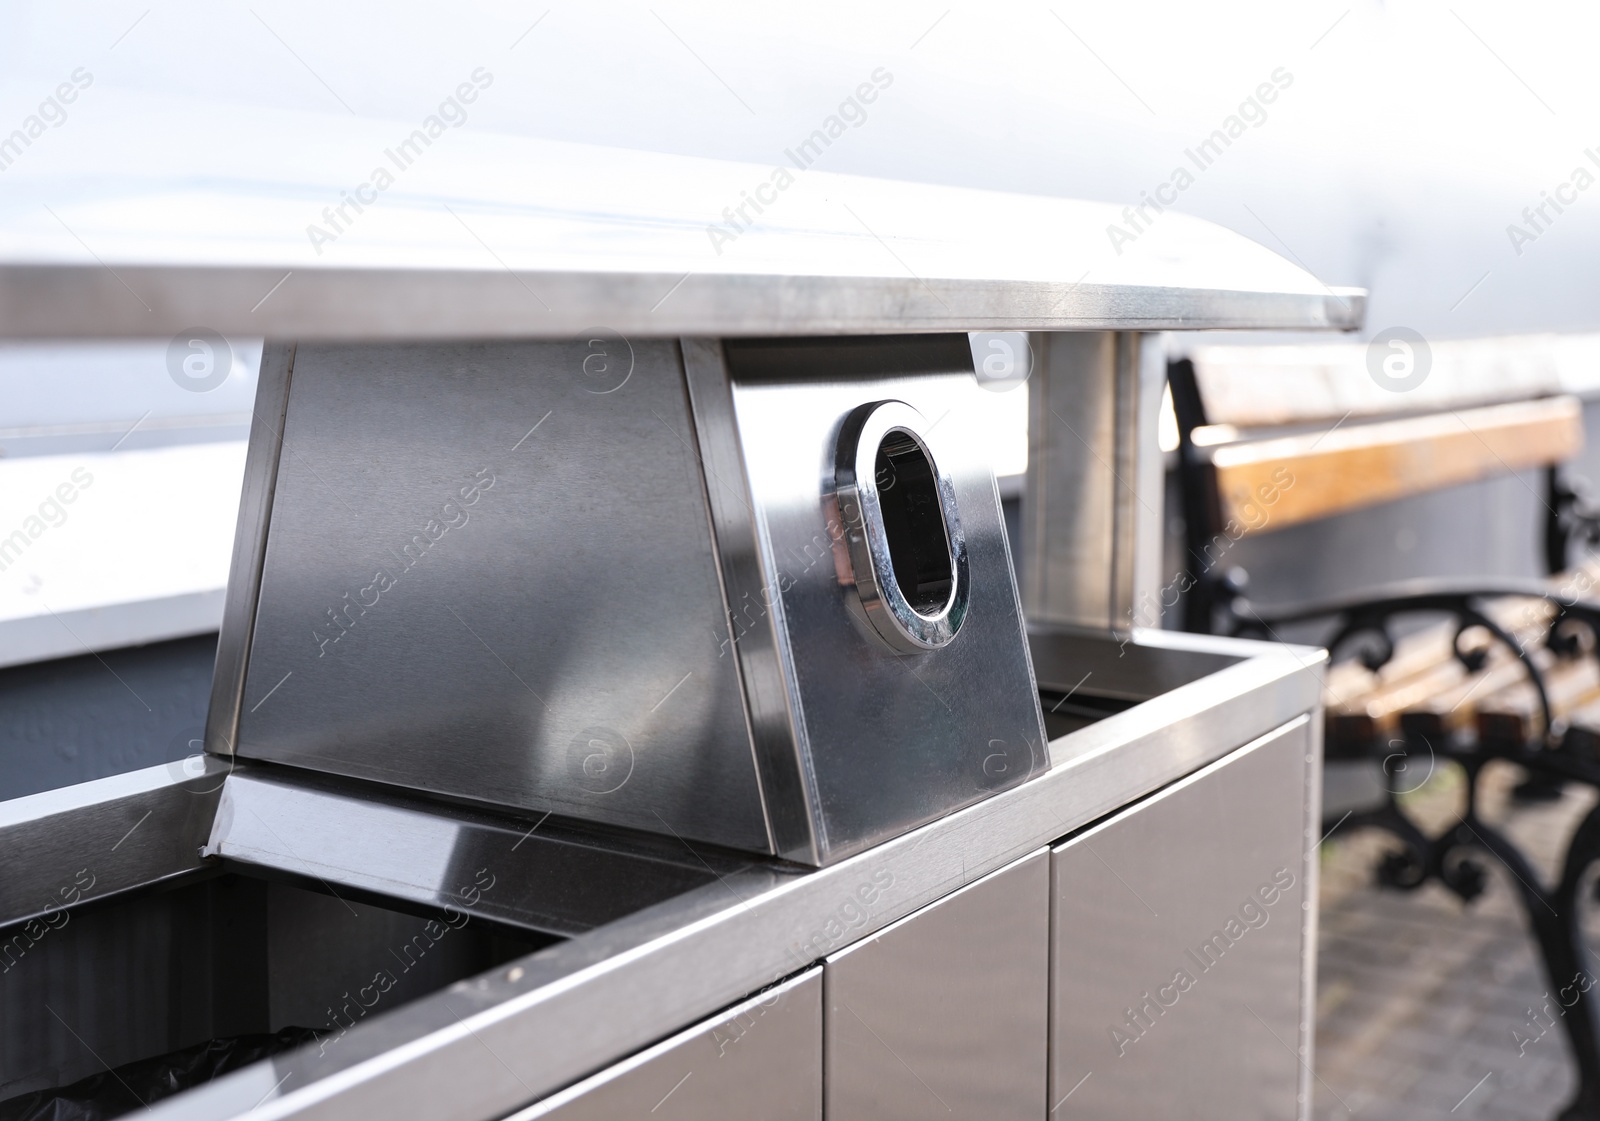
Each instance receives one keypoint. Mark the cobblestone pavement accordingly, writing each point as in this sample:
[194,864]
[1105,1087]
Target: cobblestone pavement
[1423,1002]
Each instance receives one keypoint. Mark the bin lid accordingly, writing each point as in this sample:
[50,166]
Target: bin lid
[297,225]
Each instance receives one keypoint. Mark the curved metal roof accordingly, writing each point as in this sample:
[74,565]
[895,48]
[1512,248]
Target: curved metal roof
[371,233]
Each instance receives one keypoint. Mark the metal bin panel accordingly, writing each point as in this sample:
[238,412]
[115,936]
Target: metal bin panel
[759,1061]
[489,573]
[885,740]
[943,1014]
[1178,942]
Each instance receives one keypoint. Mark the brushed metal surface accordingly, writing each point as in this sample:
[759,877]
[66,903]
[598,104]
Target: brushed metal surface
[1148,489]
[96,839]
[771,694]
[883,741]
[489,574]
[518,238]
[550,876]
[1311,874]
[944,1013]
[1092,504]
[1122,457]
[1179,946]
[1126,671]
[249,546]
[1069,501]
[55,301]
[488,1046]
[760,1060]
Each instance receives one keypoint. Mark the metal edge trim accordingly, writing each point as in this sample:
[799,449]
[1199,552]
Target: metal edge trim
[1041,763]
[1043,853]
[713,527]
[1311,877]
[1149,475]
[1177,786]
[546,1107]
[1036,481]
[106,825]
[363,303]
[249,547]
[1125,364]
[777,731]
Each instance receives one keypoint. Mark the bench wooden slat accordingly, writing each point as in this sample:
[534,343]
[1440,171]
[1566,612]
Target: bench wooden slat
[1269,484]
[1423,688]
[1449,711]
[1255,386]
[1513,715]
[1584,722]
[1425,657]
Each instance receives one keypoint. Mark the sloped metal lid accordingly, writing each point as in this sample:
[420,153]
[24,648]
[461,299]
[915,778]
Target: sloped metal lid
[316,227]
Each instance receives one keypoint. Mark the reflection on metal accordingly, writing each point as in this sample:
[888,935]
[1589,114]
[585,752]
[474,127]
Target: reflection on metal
[249,547]
[487,577]
[96,839]
[1179,943]
[583,236]
[760,1060]
[218,958]
[656,597]
[546,877]
[444,606]
[902,527]
[877,740]
[943,1014]
[1092,513]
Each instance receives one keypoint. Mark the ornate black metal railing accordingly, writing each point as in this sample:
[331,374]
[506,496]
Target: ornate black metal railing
[1565,628]
[1552,753]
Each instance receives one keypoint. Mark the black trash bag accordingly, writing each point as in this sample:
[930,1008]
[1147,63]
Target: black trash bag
[135,1085]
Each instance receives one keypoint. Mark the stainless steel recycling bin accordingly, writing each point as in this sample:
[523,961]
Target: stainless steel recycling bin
[630,702]
[545,603]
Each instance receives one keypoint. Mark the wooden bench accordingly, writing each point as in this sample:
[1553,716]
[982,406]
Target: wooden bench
[1510,672]
[1271,437]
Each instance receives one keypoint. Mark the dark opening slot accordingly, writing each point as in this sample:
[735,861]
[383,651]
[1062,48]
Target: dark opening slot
[913,523]
[1064,712]
[169,987]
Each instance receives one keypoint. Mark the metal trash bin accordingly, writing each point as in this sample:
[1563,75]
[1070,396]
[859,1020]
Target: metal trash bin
[642,719]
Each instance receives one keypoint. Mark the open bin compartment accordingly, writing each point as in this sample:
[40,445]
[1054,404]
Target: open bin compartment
[197,977]
[158,973]
[1086,677]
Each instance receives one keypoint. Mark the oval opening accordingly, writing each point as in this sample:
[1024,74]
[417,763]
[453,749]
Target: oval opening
[913,522]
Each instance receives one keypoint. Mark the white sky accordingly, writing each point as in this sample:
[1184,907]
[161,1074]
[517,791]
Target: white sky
[1411,136]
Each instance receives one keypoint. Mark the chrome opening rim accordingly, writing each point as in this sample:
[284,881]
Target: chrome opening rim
[897,506]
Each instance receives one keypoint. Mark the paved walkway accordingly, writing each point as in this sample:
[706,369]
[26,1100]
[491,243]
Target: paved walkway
[1419,994]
